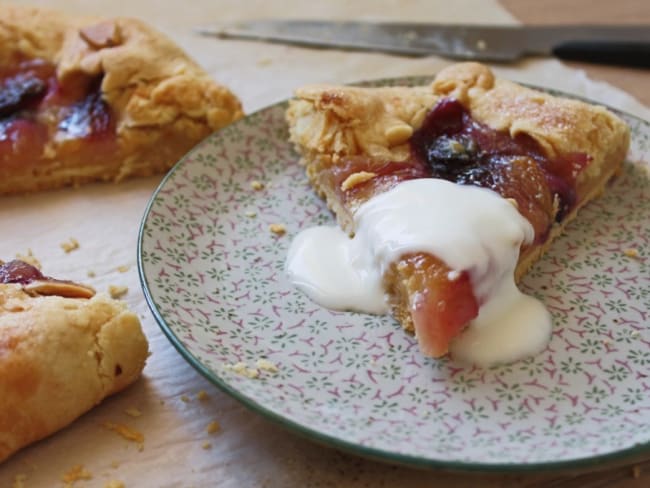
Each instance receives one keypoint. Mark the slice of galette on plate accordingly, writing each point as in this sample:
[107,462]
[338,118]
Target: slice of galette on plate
[446,195]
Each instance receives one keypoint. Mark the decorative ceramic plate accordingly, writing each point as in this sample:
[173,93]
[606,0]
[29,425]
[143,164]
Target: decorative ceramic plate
[213,275]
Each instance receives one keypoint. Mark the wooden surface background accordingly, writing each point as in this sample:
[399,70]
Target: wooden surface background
[634,81]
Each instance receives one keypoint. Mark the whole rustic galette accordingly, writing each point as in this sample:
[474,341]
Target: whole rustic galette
[63,349]
[85,99]
[451,192]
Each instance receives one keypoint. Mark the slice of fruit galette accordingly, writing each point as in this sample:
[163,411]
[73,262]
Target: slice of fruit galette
[86,99]
[447,194]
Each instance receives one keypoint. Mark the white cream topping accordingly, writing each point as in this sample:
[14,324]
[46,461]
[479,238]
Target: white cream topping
[469,228]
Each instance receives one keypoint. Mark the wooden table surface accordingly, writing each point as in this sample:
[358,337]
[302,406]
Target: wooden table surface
[632,80]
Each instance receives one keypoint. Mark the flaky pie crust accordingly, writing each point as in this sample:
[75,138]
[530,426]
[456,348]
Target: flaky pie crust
[59,357]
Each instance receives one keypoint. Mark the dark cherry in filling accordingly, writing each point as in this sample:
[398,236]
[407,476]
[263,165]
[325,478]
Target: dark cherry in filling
[451,145]
[34,106]
[19,272]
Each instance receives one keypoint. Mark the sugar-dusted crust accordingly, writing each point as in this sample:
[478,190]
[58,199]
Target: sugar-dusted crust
[163,102]
[59,357]
[328,123]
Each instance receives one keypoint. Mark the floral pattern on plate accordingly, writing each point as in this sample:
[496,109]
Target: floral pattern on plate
[213,274]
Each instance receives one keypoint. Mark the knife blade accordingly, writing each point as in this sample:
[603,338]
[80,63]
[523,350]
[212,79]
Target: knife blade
[624,45]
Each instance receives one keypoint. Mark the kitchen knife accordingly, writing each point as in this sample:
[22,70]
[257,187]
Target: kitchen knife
[622,45]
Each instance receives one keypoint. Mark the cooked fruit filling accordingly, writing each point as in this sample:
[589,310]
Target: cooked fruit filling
[19,272]
[451,145]
[35,108]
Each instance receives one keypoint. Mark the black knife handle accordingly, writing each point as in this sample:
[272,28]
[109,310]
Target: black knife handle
[635,54]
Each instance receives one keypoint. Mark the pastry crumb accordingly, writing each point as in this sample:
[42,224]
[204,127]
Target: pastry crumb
[213,427]
[631,252]
[117,291]
[398,134]
[19,481]
[243,370]
[114,484]
[91,274]
[264,62]
[250,214]
[185,399]
[206,445]
[76,473]
[266,365]
[356,179]
[202,396]
[133,412]
[127,433]
[278,229]
[123,269]
[115,464]
[29,258]
[70,245]
[257,185]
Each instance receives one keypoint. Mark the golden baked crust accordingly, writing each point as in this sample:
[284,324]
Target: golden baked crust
[162,101]
[59,357]
[330,124]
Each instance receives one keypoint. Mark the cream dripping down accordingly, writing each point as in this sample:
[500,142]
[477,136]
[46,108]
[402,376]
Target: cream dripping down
[469,228]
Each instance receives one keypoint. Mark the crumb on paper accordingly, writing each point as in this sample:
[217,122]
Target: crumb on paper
[114,484]
[213,427]
[70,245]
[202,396]
[250,214]
[278,229]
[29,258]
[243,370]
[206,445]
[257,185]
[91,273]
[264,62]
[631,252]
[356,179]
[76,473]
[117,291]
[133,412]
[185,399]
[123,269]
[127,433]
[19,481]
[266,365]
[636,471]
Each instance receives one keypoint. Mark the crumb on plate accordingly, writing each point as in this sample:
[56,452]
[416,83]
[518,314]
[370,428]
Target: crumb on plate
[202,396]
[114,484]
[257,185]
[206,445]
[266,365]
[250,214]
[124,268]
[91,273]
[243,370]
[185,399]
[117,291]
[356,179]
[631,252]
[70,245]
[278,229]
